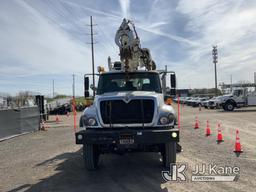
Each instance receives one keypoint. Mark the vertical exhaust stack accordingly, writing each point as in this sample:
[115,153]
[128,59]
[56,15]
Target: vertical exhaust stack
[109,63]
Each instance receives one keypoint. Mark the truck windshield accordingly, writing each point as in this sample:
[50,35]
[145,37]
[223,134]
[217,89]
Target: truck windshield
[120,82]
[237,92]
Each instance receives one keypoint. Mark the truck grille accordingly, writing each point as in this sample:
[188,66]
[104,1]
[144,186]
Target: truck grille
[119,112]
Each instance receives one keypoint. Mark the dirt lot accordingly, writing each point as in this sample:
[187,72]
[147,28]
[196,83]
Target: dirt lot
[50,160]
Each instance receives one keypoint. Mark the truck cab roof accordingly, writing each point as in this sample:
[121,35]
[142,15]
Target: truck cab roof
[137,71]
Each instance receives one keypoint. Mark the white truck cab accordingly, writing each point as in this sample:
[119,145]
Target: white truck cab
[240,97]
[129,113]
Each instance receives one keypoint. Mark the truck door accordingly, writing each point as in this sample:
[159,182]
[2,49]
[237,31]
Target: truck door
[240,97]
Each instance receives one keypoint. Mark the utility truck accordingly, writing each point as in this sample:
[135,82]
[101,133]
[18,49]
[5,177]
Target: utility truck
[129,112]
[240,97]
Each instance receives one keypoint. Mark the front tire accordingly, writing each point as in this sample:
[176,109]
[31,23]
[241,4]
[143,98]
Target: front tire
[169,154]
[229,106]
[91,156]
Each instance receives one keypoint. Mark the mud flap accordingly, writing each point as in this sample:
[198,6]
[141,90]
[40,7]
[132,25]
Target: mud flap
[178,148]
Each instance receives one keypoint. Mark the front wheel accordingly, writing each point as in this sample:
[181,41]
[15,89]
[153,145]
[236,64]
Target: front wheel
[91,156]
[229,106]
[169,154]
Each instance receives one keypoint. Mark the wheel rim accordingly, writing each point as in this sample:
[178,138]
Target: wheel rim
[230,107]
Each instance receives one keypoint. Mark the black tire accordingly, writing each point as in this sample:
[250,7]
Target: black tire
[91,156]
[229,106]
[169,154]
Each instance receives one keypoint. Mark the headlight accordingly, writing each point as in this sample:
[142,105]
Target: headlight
[171,117]
[91,121]
[167,119]
[164,120]
[79,137]
[88,121]
[174,135]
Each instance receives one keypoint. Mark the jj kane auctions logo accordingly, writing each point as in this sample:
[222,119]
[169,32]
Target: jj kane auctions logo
[201,173]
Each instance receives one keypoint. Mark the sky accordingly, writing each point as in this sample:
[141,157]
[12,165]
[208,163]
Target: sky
[46,40]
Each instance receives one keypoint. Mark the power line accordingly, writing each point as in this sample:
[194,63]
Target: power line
[111,41]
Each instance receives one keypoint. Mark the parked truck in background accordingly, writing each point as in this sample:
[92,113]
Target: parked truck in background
[240,97]
[129,113]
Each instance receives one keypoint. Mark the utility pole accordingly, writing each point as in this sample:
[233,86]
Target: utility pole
[74,103]
[164,80]
[231,82]
[53,88]
[92,47]
[254,77]
[73,86]
[215,60]
[255,81]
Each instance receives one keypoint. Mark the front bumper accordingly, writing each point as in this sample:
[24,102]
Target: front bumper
[139,135]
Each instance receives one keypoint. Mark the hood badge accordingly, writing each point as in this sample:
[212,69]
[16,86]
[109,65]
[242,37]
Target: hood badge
[126,99]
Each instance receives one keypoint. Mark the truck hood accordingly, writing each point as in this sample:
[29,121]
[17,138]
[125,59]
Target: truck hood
[225,96]
[129,93]
[132,94]
[161,107]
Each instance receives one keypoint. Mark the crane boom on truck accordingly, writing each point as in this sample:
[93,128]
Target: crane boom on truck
[131,53]
[129,113]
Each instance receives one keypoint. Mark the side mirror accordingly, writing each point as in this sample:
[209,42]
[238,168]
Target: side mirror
[86,86]
[173,81]
[86,83]
[173,92]
[86,94]
[93,88]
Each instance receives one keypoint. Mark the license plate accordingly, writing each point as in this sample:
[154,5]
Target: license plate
[126,141]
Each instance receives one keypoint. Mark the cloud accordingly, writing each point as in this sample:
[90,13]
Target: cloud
[230,25]
[153,28]
[34,45]
[125,8]
[50,38]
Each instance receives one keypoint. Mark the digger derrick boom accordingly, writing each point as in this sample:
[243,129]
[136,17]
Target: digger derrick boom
[131,53]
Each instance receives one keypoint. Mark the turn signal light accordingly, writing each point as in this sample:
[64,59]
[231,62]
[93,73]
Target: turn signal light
[168,101]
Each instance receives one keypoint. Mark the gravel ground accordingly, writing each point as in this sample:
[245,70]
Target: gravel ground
[50,160]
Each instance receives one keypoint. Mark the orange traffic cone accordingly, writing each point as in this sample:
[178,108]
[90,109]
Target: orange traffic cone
[219,136]
[57,118]
[197,123]
[208,129]
[238,148]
